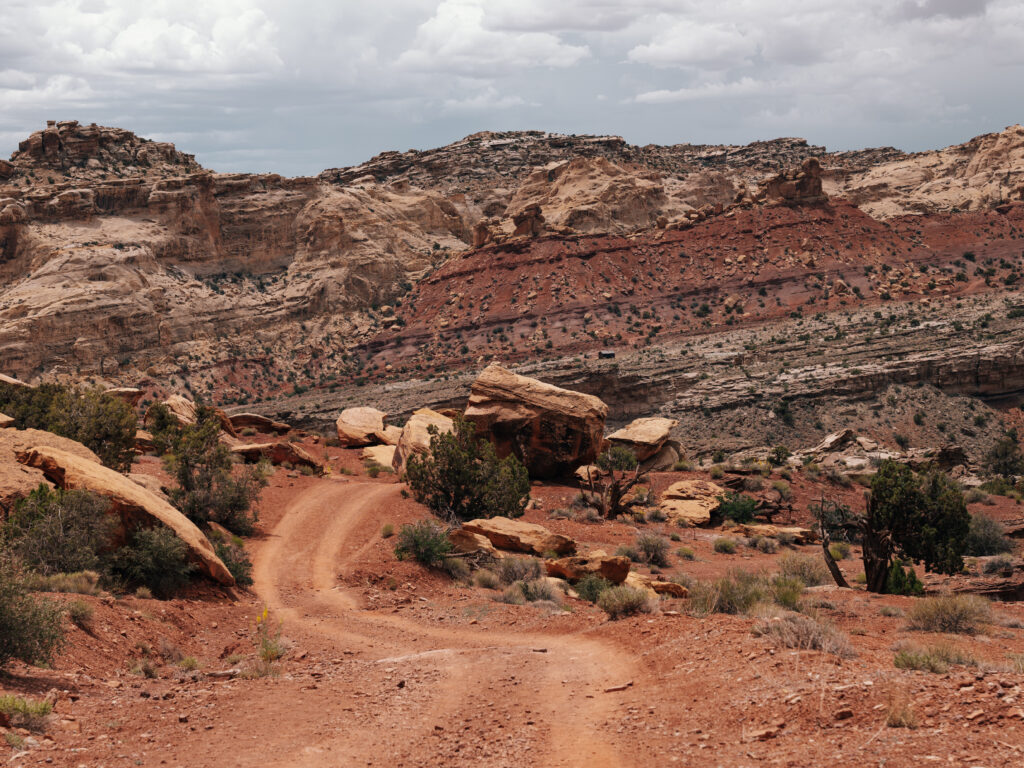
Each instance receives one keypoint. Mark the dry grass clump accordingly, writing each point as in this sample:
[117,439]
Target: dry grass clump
[724,546]
[532,591]
[955,614]
[899,711]
[80,582]
[486,579]
[624,600]
[808,568]
[513,569]
[804,633]
[935,658]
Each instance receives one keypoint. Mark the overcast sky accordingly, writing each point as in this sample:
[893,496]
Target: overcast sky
[295,86]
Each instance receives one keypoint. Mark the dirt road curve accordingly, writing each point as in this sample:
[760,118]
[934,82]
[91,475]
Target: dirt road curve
[452,697]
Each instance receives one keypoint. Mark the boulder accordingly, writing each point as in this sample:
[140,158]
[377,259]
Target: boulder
[415,438]
[6,421]
[550,429]
[690,502]
[279,453]
[664,459]
[359,426]
[644,437]
[588,473]
[390,435]
[384,455]
[134,504]
[517,536]
[669,588]
[16,480]
[130,395]
[14,382]
[261,424]
[750,530]
[467,542]
[572,569]
[641,582]
[184,410]
[144,441]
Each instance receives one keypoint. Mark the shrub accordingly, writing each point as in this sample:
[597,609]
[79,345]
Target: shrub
[232,553]
[623,600]
[767,545]
[807,568]
[487,579]
[456,567]
[779,455]
[839,550]
[682,466]
[656,515]
[975,496]
[81,583]
[628,550]
[804,633]
[956,614]
[899,711]
[538,589]
[902,580]
[103,423]
[725,546]
[753,483]
[737,506]
[513,569]
[144,593]
[26,713]
[686,553]
[55,531]
[653,549]
[783,489]
[999,564]
[737,592]
[591,586]
[154,558]
[206,489]
[787,591]
[1004,458]
[460,477]
[513,595]
[717,472]
[30,628]
[387,531]
[936,658]
[425,541]
[986,536]
[80,613]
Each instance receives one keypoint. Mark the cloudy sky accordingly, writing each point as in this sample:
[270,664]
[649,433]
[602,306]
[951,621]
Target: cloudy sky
[295,86]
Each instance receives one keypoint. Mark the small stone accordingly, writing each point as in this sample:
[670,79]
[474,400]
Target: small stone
[843,714]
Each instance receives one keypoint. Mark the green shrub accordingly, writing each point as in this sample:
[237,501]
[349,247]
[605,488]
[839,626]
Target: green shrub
[55,531]
[839,550]
[804,633]
[717,472]
[630,551]
[232,553]
[387,531]
[787,591]
[955,614]
[623,600]
[461,478]
[686,553]
[999,564]
[807,568]
[591,585]
[902,580]
[783,489]
[103,423]
[80,613]
[725,546]
[154,558]
[456,567]
[779,455]
[30,628]
[425,541]
[737,592]
[986,536]
[737,506]
[653,549]
[26,713]
[513,569]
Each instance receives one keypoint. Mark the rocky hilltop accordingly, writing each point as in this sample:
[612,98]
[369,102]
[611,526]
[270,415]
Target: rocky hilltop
[123,259]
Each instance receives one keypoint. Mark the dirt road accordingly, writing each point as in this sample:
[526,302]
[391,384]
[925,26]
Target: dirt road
[457,696]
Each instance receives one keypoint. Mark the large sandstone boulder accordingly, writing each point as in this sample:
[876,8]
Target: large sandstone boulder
[691,502]
[467,542]
[184,410]
[14,382]
[261,424]
[615,569]
[133,503]
[360,426]
[799,535]
[391,435]
[382,455]
[644,437]
[550,429]
[517,536]
[16,480]
[130,395]
[415,438]
[279,453]
[6,421]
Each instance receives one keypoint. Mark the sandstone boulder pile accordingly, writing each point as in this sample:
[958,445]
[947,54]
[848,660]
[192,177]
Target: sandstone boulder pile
[691,502]
[360,426]
[415,437]
[517,536]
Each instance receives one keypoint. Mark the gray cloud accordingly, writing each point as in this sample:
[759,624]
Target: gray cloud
[295,86]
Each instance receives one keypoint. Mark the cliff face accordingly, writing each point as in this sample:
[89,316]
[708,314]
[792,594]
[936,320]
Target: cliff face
[123,257]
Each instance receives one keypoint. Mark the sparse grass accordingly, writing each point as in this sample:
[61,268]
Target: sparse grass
[783,489]
[189,663]
[955,614]
[144,668]
[686,553]
[717,472]
[591,586]
[935,658]
[144,593]
[653,549]
[890,610]
[839,550]
[808,568]
[513,569]
[736,593]
[725,546]
[1017,663]
[80,583]
[387,531]
[899,711]
[456,567]
[624,600]
[486,579]
[80,613]
[539,589]
[786,591]
[26,713]
[804,633]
